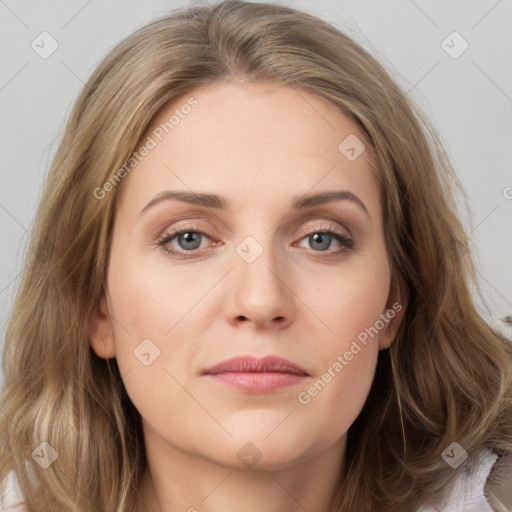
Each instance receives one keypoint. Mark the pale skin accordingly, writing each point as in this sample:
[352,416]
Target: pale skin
[258,146]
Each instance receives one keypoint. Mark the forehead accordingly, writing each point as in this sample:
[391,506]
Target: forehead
[245,139]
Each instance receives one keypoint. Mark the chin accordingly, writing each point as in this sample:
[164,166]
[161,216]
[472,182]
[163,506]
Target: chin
[257,450]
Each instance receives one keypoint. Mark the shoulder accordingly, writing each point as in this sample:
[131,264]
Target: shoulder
[467,494]
[11,497]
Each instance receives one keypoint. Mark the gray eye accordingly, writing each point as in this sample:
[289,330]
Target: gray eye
[189,240]
[320,241]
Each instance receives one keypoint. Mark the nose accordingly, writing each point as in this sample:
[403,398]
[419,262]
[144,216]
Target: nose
[259,293]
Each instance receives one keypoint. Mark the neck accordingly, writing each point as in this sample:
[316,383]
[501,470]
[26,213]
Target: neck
[186,482]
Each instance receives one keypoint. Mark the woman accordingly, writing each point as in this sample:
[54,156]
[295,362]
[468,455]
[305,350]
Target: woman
[179,342]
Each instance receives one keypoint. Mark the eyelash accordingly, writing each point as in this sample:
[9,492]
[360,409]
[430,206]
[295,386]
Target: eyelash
[346,242]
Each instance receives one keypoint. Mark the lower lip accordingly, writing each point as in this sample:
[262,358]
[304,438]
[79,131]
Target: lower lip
[257,382]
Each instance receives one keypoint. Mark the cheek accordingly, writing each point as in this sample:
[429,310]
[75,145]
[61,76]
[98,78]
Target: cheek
[347,355]
[154,311]
[149,309]
[153,300]
[348,310]
[349,299]
[332,401]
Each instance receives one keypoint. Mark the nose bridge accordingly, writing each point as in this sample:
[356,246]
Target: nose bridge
[258,245]
[258,262]
[259,290]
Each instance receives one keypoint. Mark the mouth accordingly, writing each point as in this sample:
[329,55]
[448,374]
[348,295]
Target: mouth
[257,375]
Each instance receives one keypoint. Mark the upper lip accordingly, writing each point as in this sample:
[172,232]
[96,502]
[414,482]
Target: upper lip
[247,364]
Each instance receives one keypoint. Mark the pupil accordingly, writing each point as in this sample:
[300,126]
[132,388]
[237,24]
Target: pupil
[318,237]
[188,238]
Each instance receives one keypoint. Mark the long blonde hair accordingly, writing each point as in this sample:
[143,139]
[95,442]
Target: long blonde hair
[447,376]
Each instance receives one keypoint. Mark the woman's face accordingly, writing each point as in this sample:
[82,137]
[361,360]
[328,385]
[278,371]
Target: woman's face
[276,274]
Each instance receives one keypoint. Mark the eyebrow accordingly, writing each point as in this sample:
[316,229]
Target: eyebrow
[217,202]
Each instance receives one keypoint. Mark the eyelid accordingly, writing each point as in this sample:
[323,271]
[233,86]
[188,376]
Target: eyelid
[175,231]
[331,226]
[319,225]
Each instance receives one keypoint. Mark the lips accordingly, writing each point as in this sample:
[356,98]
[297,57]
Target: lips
[257,375]
[249,364]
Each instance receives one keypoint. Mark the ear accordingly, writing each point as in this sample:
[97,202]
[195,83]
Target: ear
[101,335]
[394,312]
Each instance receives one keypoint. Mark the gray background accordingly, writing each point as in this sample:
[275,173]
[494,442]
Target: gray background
[468,98]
